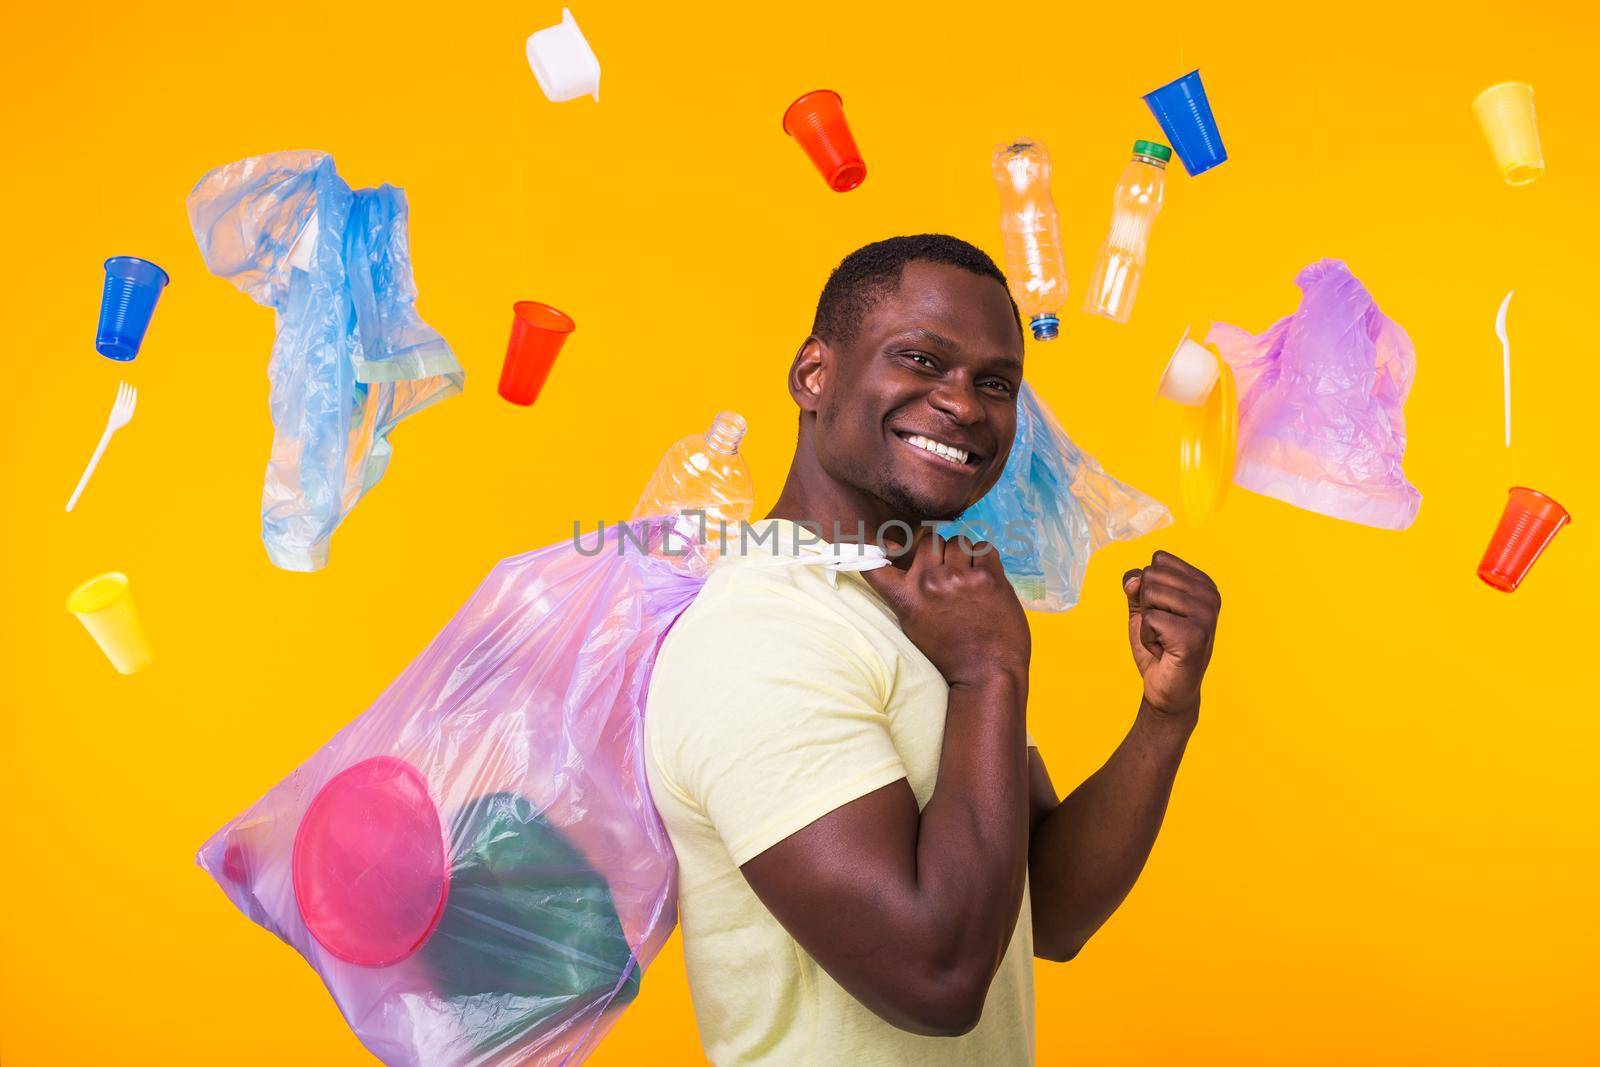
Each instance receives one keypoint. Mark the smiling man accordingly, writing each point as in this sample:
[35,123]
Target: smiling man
[870,851]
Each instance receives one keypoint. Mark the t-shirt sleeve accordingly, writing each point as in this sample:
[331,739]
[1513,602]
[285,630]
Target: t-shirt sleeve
[773,715]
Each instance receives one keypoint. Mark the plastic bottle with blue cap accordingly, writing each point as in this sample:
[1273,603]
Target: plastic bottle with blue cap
[1035,268]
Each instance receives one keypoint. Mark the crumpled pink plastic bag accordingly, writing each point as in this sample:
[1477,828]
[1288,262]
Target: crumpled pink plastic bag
[474,866]
[1321,403]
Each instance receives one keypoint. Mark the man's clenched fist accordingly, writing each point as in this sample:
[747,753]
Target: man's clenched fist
[1172,623]
[955,604]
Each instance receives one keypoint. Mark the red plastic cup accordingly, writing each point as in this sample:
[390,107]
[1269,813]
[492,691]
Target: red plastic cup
[817,121]
[1527,525]
[537,333]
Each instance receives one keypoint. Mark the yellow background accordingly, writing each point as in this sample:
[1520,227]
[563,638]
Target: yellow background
[1382,847]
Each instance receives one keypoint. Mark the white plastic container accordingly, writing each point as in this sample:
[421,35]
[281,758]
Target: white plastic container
[1190,375]
[563,62]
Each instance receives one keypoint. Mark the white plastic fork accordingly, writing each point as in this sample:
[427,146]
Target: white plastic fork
[121,414]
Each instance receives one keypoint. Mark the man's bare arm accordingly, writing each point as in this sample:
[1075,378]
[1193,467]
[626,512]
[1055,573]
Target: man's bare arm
[1088,850]
[912,912]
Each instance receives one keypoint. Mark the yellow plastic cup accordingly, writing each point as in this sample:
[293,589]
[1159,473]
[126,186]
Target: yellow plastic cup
[105,606]
[1207,448]
[1505,112]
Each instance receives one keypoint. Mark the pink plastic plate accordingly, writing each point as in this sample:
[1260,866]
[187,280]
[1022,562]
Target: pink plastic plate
[369,863]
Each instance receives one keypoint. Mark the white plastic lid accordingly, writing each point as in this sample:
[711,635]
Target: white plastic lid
[1190,374]
[833,558]
[563,62]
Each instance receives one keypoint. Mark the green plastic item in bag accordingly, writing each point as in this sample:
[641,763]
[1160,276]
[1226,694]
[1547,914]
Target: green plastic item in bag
[527,916]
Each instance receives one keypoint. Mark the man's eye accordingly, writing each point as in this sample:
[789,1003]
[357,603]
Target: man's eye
[998,385]
[921,358]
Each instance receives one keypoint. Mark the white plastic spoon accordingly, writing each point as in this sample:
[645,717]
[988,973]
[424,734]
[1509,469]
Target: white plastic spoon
[1505,346]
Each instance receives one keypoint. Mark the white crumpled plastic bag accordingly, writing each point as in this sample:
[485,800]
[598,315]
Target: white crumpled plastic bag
[351,359]
[1053,508]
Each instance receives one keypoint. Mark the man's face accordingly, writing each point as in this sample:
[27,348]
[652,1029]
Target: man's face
[918,409]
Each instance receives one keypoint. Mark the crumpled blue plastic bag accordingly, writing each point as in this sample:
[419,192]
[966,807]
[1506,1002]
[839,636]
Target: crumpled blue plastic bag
[1053,508]
[1322,399]
[352,358]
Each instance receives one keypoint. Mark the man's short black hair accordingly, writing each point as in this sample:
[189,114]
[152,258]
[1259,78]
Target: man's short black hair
[873,271]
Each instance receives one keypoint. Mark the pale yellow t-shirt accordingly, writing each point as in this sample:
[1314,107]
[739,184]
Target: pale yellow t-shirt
[779,696]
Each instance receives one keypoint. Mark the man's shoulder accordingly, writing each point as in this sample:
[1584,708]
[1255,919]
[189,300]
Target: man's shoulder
[757,654]
[744,592]
[740,613]
[749,618]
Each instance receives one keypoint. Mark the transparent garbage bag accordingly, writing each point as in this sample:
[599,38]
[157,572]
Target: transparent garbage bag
[1321,403]
[1053,507]
[351,358]
[474,866]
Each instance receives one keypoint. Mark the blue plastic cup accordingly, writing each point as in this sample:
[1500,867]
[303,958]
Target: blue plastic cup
[1185,116]
[133,286]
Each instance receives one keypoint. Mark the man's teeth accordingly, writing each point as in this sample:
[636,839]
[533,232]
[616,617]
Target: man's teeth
[955,455]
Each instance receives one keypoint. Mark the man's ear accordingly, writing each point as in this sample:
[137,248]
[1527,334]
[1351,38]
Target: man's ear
[809,373]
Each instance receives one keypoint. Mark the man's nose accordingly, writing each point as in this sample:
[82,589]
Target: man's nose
[958,400]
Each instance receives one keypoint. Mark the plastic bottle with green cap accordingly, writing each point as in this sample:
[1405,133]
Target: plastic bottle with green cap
[1134,206]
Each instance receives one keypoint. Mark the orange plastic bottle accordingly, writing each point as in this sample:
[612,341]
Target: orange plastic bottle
[1034,266]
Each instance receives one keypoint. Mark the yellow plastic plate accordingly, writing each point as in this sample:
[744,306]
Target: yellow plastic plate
[1206,450]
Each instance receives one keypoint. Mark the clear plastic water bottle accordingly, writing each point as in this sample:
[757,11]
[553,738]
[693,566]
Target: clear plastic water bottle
[1134,206]
[1034,266]
[704,480]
